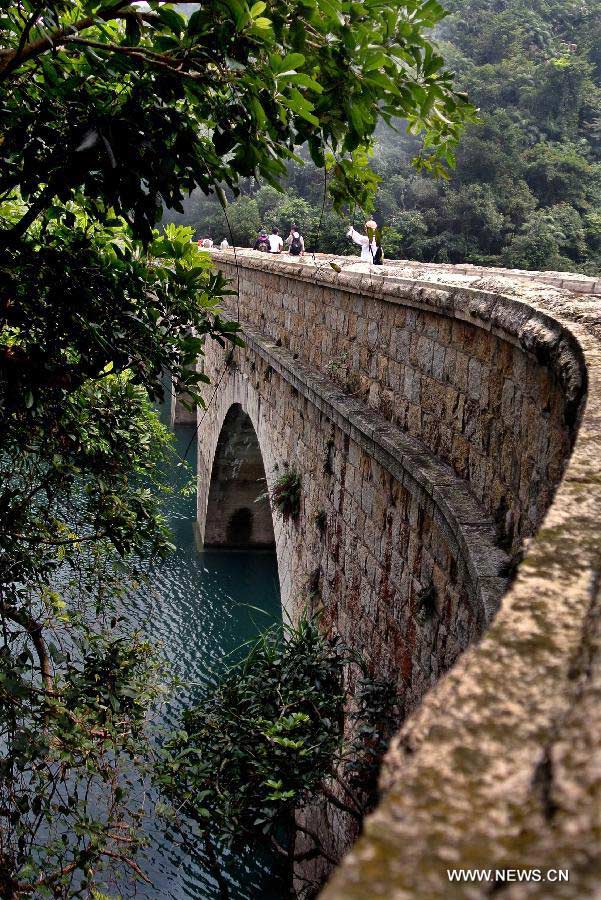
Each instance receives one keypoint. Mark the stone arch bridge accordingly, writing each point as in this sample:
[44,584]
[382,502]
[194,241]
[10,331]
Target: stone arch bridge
[446,426]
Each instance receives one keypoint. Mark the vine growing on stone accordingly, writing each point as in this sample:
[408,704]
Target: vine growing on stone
[321,521]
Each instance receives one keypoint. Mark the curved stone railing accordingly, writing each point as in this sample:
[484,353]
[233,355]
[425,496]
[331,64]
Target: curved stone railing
[574,282]
[496,768]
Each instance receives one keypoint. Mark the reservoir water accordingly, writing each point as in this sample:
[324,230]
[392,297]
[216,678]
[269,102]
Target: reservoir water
[202,607]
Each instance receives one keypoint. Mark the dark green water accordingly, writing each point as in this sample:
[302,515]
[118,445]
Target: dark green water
[200,610]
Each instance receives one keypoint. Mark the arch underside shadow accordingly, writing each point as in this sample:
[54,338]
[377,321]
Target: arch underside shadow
[238,512]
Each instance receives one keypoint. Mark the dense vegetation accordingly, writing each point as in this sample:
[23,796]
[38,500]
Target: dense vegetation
[270,739]
[526,191]
[108,113]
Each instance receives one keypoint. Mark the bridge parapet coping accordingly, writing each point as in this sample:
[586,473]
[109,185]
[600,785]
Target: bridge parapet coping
[584,286]
[525,313]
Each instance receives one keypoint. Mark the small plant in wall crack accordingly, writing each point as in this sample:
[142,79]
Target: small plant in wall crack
[315,604]
[314,581]
[353,383]
[327,462]
[338,366]
[321,521]
[426,603]
[286,494]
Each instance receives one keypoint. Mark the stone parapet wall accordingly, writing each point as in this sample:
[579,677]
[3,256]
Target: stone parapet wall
[572,281]
[485,382]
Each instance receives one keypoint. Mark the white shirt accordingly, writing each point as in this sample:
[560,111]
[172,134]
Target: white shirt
[363,241]
[275,243]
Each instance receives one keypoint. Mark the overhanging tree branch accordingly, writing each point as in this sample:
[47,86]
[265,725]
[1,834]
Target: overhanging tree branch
[34,629]
[143,54]
[339,804]
[11,59]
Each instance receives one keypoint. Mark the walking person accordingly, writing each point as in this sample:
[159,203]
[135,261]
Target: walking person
[371,247]
[276,242]
[296,243]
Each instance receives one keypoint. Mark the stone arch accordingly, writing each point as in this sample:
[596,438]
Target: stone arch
[238,511]
[238,394]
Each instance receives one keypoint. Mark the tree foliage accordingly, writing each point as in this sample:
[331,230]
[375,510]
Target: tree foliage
[75,682]
[273,736]
[532,163]
[534,72]
[229,92]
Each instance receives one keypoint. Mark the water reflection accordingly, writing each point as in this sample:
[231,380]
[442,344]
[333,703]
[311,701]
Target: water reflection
[201,607]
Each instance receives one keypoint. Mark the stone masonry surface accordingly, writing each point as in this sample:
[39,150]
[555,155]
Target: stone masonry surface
[449,365]
[392,531]
[432,422]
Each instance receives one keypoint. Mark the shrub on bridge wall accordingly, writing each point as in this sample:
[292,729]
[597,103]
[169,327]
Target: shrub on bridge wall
[286,494]
[426,603]
[269,739]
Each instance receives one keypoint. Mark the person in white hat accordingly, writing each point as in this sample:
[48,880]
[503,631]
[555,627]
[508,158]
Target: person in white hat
[366,241]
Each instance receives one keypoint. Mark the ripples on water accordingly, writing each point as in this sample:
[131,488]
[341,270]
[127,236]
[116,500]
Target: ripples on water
[199,609]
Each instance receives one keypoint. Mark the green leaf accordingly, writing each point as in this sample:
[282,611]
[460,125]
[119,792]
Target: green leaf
[262,23]
[292,61]
[302,80]
[174,21]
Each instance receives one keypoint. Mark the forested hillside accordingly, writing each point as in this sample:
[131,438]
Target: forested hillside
[526,191]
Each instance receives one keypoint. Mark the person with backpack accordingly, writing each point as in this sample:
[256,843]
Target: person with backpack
[296,243]
[370,243]
[262,242]
[275,241]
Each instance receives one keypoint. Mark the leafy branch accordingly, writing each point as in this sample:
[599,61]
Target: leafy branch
[268,741]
